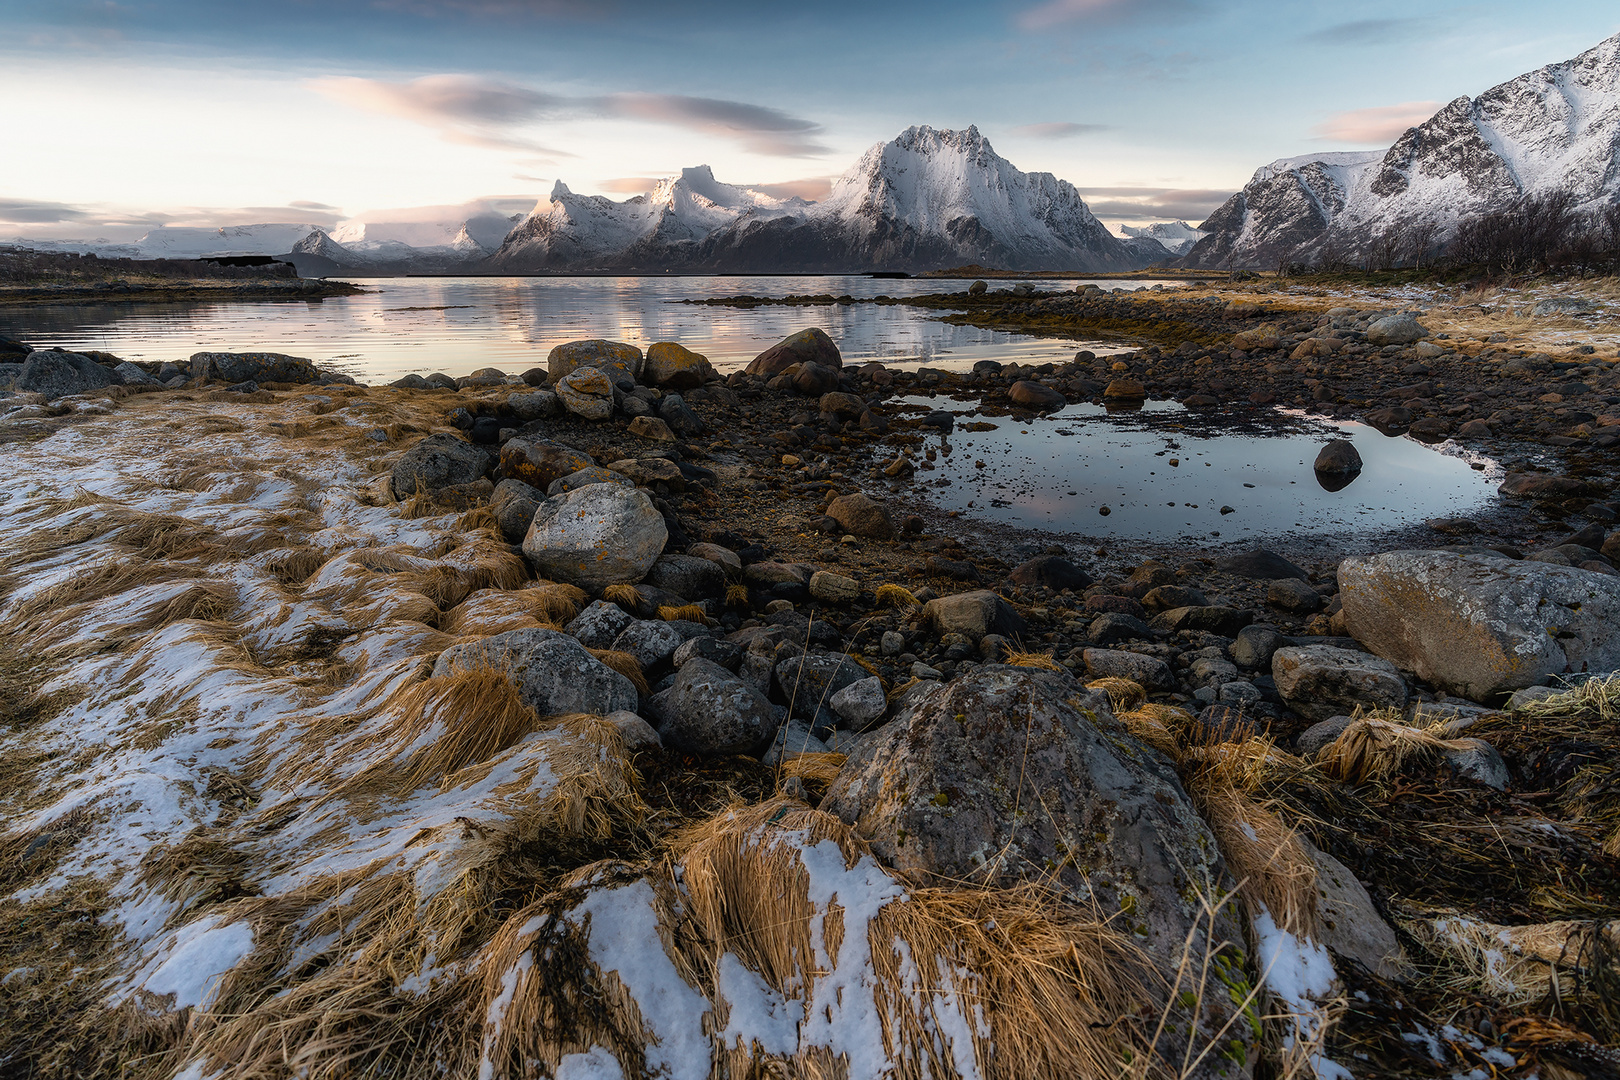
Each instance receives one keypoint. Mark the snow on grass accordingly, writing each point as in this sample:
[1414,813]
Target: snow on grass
[190,963]
[1299,974]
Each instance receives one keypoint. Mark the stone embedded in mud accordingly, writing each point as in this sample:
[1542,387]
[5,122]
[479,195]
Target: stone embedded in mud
[676,367]
[60,374]
[1546,486]
[587,393]
[712,712]
[1261,565]
[1051,572]
[650,470]
[1321,681]
[943,790]
[862,515]
[553,672]
[973,614]
[1481,627]
[539,464]
[438,461]
[596,536]
[811,346]
[1125,390]
[256,366]
[614,358]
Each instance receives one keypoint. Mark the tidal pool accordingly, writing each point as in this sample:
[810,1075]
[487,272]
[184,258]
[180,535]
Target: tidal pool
[1165,472]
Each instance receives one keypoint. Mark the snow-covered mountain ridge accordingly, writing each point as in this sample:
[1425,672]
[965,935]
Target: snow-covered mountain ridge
[1553,129]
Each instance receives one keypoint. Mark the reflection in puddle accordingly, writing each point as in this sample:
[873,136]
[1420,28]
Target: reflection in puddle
[1162,471]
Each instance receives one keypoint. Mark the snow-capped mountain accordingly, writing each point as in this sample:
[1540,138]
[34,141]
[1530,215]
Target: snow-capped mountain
[1553,129]
[1178,237]
[928,199]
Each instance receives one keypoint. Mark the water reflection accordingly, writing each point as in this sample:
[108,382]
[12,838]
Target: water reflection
[1158,470]
[457,325]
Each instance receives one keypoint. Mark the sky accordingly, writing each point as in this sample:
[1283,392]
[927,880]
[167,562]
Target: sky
[120,115]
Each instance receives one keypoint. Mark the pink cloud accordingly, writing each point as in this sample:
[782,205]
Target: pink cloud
[1383,124]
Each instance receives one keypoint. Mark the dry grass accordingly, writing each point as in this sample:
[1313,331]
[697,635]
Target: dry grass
[1159,726]
[736,596]
[625,596]
[472,714]
[897,596]
[683,613]
[495,611]
[1123,694]
[1373,751]
[1272,868]
[561,602]
[819,768]
[1519,965]
[625,665]
[1043,661]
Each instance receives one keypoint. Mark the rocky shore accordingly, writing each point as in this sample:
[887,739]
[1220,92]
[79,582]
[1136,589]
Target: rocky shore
[1373,795]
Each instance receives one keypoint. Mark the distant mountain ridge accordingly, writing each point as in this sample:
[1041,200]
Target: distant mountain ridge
[1553,129]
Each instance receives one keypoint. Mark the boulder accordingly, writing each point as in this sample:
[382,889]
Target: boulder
[60,374]
[675,367]
[1261,565]
[1149,672]
[513,505]
[538,463]
[1170,597]
[135,375]
[255,366]
[553,672]
[1051,572]
[811,346]
[1320,735]
[439,461]
[591,474]
[1208,619]
[535,405]
[1402,329]
[1254,646]
[809,680]
[1545,486]
[710,711]
[1125,390]
[1007,775]
[674,411]
[1477,760]
[1034,395]
[815,380]
[653,641]
[615,359]
[599,625]
[792,739]
[1113,627]
[587,393]
[1348,921]
[844,406]
[650,470]
[1322,681]
[652,428]
[861,703]
[1339,457]
[1294,595]
[688,576]
[596,536]
[724,557]
[728,654]
[862,515]
[973,614]
[1481,627]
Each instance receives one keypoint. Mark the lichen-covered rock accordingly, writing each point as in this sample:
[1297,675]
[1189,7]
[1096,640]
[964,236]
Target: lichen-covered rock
[587,393]
[592,474]
[1402,329]
[974,614]
[596,536]
[613,358]
[710,711]
[676,367]
[1321,681]
[554,674]
[255,366]
[438,461]
[513,505]
[810,680]
[811,346]
[1481,627]
[599,624]
[539,464]
[60,374]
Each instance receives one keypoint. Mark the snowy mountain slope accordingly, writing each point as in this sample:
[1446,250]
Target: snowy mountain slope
[182,242]
[1553,129]
[927,199]
[1178,237]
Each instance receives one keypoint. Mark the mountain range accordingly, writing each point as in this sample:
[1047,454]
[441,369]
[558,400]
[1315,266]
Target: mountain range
[1556,129]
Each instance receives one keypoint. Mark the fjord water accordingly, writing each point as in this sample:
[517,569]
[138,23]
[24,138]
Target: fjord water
[458,325]
[1166,472]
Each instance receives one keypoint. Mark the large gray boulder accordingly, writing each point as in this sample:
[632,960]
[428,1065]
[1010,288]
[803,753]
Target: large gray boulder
[135,375]
[599,624]
[439,461]
[553,672]
[710,711]
[61,374]
[587,393]
[596,536]
[541,464]
[1402,329]
[615,359]
[1481,627]
[975,614]
[513,505]
[811,346]
[688,576]
[1322,681]
[1010,774]
[257,366]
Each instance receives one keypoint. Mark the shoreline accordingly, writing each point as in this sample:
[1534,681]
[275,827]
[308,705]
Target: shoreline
[170,292]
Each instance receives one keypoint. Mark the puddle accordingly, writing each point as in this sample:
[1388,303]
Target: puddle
[1166,472]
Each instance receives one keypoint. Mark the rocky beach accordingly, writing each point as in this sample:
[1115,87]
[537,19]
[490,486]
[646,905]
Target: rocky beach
[620,714]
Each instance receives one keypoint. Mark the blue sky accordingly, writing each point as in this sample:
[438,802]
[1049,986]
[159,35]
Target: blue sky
[126,113]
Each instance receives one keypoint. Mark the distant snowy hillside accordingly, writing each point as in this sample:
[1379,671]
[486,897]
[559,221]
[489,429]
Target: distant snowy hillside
[1177,236]
[925,200]
[1554,129]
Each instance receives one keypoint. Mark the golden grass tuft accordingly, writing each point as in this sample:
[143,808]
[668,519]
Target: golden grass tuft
[479,517]
[1272,868]
[897,596]
[625,665]
[561,603]
[495,611]
[1159,726]
[683,613]
[1373,751]
[736,596]
[478,713]
[819,768]
[1043,661]
[1123,694]
[625,596]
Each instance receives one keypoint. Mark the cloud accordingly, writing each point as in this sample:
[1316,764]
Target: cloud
[1154,203]
[1366,31]
[36,212]
[630,185]
[1383,124]
[810,189]
[1061,129]
[474,111]
[305,204]
[1054,13]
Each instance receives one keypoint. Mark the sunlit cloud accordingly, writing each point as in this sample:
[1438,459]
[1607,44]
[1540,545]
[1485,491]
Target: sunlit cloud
[37,212]
[1154,203]
[1061,129]
[1383,124]
[473,111]
[630,185]
[810,189]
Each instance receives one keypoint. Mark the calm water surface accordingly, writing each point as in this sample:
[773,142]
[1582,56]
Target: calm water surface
[457,325]
[1166,472]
